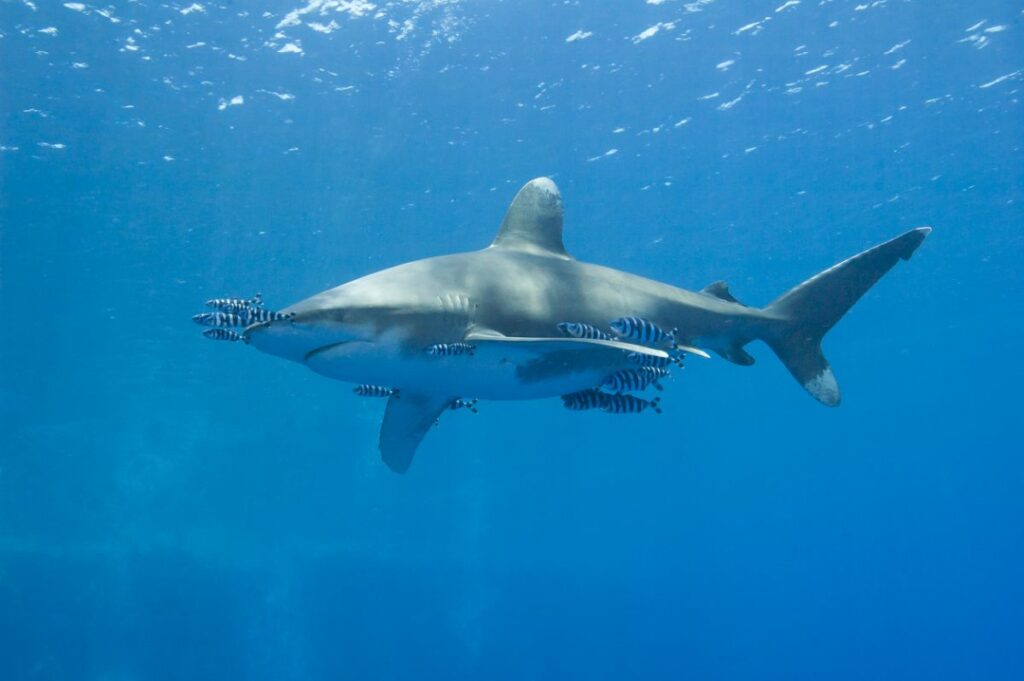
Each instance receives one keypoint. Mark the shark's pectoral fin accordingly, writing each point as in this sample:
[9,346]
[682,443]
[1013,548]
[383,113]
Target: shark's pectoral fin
[540,345]
[540,360]
[406,420]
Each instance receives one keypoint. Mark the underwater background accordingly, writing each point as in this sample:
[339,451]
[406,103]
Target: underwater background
[173,508]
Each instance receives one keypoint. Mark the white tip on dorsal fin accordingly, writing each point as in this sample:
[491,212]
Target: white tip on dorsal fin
[533,222]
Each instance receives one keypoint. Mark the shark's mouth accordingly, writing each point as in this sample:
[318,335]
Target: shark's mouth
[295,340]
[325,348]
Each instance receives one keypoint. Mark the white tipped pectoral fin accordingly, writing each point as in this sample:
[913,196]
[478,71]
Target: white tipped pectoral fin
[542,345]
[544,367]
[573,363]
[407,419]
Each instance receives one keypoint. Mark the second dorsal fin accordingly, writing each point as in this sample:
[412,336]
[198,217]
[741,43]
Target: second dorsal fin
[719,289]
[533,222]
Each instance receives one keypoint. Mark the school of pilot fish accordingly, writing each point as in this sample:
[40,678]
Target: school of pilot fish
[612,395]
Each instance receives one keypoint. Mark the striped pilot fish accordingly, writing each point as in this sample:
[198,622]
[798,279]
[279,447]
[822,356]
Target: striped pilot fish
[645,360]
[450,349]
[634,380]
[642,331]
[243,318]
[628,404]
[585,399]
[224,335]
[375,391]
[581,330]
[235,305]
[246,317]
[220,319]
[677,356]
[463,404]
[259,314]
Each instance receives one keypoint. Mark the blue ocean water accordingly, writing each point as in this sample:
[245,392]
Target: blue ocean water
[173,508]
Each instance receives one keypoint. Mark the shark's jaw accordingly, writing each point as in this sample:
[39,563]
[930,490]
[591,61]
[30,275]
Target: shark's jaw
[303,335]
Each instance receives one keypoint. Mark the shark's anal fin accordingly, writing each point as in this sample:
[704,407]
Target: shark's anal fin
[720,290]
[533,223]
[406,420]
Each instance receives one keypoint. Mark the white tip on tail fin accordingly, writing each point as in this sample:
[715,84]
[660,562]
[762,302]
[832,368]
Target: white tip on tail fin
[824,387]
[806,312]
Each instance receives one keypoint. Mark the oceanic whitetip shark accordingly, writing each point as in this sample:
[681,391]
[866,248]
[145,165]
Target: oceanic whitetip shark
[506,302]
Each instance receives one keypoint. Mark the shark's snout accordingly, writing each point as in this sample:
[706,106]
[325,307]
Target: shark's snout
[297,337]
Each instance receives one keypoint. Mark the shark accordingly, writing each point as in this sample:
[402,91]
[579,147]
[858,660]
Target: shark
[505,303]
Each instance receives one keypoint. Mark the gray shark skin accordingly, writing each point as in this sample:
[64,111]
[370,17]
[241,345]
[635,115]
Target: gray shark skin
[506,300]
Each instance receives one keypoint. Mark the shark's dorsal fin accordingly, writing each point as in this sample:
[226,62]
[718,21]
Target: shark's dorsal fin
[533,223]
[720,289]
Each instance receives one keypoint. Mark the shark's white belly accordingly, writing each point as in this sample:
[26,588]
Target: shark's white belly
[492,372]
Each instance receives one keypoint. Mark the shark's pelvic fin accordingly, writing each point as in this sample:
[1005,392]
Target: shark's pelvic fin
[533,223]
[406,420]
[809,310]
[720,289]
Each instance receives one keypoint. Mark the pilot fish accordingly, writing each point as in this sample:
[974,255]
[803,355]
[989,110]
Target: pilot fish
[581,330]
[628,404]
[463,404]
[220,319]
[653,361]
[246,317]
[224,335]
[585,399]
[367,390]
[259,314]
[235,305]
[450,349]
[632,380]
[642,331]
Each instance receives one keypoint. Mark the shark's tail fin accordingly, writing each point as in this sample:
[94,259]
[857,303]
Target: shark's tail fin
[807,311]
